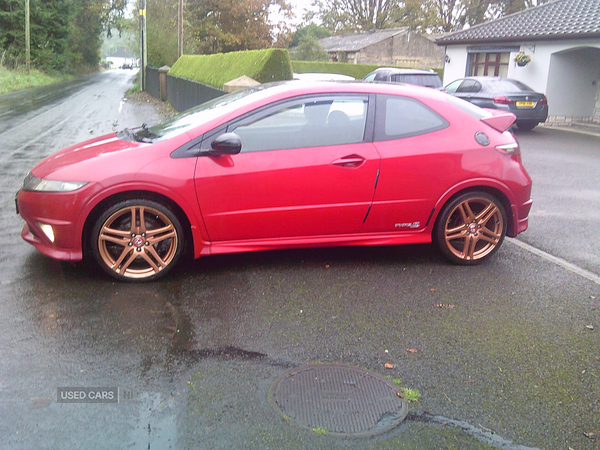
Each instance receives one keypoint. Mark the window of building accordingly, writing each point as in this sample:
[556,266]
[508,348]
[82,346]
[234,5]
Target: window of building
[489,64]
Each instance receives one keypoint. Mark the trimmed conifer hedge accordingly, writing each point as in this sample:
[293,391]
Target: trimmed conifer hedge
[215,70]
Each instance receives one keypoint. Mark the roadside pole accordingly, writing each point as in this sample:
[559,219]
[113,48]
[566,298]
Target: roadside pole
[27,38]
[144,47]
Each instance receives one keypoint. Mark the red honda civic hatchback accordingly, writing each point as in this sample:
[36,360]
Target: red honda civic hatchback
[285,165]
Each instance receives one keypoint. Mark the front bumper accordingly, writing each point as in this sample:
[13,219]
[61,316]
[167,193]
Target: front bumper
[56,212]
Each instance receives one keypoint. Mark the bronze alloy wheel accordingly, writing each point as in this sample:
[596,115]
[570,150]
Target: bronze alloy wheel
[137,240]
[471,228]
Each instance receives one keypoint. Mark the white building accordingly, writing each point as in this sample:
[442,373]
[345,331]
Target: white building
[120,57]
[562,38]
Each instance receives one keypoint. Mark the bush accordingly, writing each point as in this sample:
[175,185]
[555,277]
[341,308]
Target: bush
[216,70]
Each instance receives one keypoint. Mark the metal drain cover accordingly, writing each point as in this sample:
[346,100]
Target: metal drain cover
[338,400]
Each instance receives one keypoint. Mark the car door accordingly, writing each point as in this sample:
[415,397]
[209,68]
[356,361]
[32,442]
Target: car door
[307,168]
[413,142]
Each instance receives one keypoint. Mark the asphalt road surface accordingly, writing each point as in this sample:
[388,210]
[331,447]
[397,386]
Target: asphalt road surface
[504,355]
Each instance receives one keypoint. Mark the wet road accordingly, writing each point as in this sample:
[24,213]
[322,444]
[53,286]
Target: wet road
[508,350]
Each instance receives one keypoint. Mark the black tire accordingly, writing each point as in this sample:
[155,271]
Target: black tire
[527,126]
[134,250]
[471,228]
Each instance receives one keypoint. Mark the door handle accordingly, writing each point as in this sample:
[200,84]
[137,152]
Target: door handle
[349,161]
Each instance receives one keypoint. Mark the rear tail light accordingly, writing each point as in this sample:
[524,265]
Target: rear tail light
[509,149]
[503,101]
[543,101]
[512,149]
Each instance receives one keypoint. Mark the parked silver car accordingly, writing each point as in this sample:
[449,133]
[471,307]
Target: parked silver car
[419,77]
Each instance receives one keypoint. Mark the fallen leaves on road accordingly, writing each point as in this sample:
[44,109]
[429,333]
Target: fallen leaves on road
[39,402]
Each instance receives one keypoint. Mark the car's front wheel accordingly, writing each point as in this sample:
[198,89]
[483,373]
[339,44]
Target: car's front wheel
[137,240]
[471,228]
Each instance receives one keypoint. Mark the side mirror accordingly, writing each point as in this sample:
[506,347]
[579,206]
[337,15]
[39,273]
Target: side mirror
[226,144]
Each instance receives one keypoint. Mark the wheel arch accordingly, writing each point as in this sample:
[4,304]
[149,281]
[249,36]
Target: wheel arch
[491,190]
[113,199]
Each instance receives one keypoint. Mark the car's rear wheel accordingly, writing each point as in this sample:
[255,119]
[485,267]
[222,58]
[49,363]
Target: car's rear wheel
[471,228]
[137,240]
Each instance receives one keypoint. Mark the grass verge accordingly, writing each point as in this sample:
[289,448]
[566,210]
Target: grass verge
[14,80]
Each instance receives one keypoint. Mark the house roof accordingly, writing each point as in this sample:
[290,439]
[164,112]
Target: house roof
[358,41]
[558,19]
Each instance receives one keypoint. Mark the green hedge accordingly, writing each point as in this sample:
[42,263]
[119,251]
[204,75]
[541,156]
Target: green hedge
[358,71]
[216,70]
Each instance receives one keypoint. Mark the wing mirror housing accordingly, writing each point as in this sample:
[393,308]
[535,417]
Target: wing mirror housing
[225,144]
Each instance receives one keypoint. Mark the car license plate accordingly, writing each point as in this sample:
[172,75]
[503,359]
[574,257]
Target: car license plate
[525,104]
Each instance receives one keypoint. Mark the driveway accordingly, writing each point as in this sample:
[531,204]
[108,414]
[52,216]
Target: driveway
[504,355]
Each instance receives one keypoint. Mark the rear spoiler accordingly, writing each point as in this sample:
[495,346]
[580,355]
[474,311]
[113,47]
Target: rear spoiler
[500,120]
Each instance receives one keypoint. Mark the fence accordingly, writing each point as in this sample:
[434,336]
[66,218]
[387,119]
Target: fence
[152,82]
[182,94]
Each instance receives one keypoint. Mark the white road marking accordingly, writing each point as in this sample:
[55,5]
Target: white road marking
[558,261]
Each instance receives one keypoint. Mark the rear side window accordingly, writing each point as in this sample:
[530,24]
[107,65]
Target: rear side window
[399,117]
[469,86]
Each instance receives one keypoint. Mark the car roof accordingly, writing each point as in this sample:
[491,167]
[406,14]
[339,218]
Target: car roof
[486,82]
[397,70]
[318,76]
[300,87]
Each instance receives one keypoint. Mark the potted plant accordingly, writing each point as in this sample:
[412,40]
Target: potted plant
[522,59]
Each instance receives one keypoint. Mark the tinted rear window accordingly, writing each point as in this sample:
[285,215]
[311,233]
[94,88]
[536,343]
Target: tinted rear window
[405,117]
[432,81]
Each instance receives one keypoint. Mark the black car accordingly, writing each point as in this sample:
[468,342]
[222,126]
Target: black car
[419,77]
[530,107]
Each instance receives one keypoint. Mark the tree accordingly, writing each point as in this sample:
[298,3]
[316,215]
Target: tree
[425,15]
[65,34]
[311,29]
[309,49]
[219,26]
[49,33]
[92,18]
[161,28]
[358,15]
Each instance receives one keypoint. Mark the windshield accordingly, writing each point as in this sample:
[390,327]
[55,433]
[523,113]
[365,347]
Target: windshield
[189,119]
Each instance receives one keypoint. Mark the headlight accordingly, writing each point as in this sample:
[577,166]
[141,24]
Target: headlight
[32,183]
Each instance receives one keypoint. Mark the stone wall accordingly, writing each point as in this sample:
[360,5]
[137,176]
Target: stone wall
[416,51]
